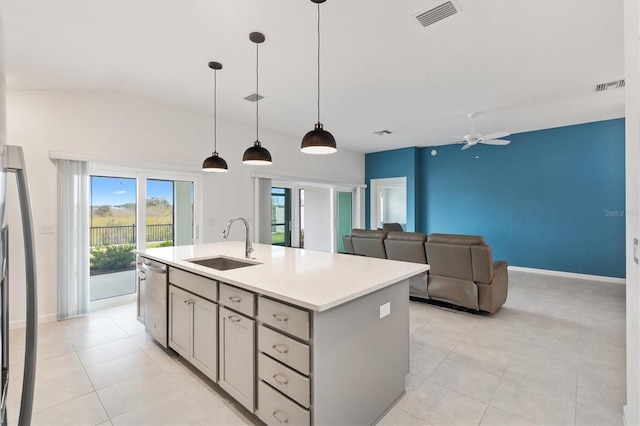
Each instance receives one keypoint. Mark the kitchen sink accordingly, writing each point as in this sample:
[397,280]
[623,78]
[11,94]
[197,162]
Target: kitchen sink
[222,263]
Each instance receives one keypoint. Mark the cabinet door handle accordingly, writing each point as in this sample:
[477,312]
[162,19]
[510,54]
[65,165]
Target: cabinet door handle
[281,349]
[281,379]
[235,318]
[143,278]
[234,299]
[280,416]
[280,317]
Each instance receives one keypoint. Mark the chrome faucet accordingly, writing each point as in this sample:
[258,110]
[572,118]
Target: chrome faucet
[248,248]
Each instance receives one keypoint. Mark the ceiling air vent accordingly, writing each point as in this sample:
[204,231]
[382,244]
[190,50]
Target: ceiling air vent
[383,132]
[436,14]
[610,85]
[253,97]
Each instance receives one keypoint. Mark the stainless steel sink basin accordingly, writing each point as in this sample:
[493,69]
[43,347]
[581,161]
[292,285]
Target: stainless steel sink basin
[222,263]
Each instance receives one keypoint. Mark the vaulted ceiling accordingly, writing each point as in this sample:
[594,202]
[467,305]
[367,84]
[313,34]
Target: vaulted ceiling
[524,64]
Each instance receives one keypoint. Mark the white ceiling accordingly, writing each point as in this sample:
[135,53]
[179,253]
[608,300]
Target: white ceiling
[524,64]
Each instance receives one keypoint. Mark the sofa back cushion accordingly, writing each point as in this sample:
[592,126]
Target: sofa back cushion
[348,244]
[367,242]
[456,239]
[406,246]
[449,260]
[482,264]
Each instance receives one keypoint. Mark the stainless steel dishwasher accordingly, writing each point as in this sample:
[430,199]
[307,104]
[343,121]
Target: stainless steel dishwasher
[155,300]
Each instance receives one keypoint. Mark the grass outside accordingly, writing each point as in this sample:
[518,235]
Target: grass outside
[277,238]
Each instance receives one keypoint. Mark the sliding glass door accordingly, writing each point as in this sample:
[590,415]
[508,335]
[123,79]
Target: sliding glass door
[134,210]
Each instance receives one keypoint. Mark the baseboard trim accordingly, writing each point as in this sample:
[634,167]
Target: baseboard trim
[41,320]
[610,280]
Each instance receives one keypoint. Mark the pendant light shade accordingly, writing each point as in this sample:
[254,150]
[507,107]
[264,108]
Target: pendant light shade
[215,163]
[318,140]
[257,155]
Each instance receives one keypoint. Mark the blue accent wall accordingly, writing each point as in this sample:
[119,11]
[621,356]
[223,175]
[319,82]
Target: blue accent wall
[552,199]
[390,164]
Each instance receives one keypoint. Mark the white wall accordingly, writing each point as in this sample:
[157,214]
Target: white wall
[632,158]
[135,130]
[395,205]
[317,207]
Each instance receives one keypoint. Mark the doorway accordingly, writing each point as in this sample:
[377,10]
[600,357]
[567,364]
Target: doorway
[344,217]
[388,202]
[130,210]
[281,216]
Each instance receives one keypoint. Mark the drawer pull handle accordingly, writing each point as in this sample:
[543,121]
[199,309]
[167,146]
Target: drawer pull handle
[235,318]
[281,349]
[234,299]
[281,379]
[280,416]
[280,317]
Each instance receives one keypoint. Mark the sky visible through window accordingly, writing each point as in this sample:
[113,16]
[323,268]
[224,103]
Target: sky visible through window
[114,191]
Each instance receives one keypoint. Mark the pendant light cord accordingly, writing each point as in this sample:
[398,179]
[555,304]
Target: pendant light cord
[257,93]
[318,62]
[215,113]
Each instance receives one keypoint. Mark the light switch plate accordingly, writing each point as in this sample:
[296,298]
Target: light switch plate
[385,309]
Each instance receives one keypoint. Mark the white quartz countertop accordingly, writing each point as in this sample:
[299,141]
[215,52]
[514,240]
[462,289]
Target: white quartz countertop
[311,279]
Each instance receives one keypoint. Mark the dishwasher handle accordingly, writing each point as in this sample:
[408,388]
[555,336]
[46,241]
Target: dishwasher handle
[155,269]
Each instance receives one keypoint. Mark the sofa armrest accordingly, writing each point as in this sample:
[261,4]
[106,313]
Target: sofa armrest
[498,266]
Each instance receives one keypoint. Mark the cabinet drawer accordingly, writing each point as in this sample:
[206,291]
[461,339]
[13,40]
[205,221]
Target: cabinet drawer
[276,409]
[284,379]
[284,349]
[284,317]
[203,287]
[237,299]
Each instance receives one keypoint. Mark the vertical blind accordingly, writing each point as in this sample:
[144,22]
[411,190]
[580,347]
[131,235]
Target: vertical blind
[73,238]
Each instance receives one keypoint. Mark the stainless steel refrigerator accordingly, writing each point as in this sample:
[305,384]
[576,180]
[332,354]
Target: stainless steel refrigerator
[12,161]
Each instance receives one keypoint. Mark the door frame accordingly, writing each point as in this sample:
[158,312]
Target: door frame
[377,185]
[141,176]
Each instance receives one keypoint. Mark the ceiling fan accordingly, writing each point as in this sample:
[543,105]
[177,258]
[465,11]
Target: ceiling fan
[474,138]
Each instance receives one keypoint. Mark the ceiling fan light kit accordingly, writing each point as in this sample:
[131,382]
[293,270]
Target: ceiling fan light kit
[215,163]
[318,140]
[257,155]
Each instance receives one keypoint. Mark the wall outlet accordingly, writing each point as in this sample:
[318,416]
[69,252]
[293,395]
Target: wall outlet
[385,309]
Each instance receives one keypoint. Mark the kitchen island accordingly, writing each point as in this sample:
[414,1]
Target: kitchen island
[296,336]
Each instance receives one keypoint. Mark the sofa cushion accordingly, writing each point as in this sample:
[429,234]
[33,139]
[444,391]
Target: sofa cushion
[456,239]
[406,246]
[482,264]
[449,260]
[368,242]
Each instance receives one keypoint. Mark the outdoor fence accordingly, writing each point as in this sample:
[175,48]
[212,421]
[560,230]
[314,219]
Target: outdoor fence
[106,235]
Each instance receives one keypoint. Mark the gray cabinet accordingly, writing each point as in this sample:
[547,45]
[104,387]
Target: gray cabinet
[237,356]
[193,327]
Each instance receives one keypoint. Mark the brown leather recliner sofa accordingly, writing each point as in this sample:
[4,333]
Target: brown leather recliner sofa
[462,271]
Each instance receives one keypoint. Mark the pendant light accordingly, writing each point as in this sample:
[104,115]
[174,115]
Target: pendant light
[318,140]
[257,155]
[214,163]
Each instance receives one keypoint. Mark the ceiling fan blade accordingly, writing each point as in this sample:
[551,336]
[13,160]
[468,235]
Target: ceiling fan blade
[466,146]
[496,135]
[496,142]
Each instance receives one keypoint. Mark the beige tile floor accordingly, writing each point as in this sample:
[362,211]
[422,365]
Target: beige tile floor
[553,355]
